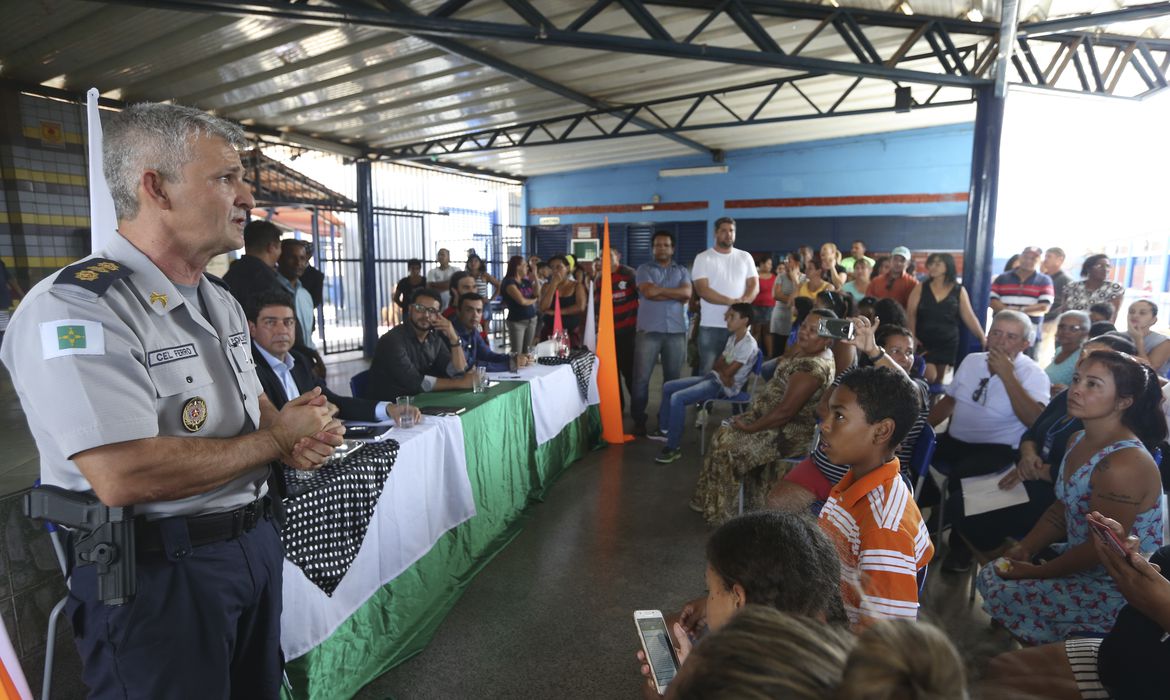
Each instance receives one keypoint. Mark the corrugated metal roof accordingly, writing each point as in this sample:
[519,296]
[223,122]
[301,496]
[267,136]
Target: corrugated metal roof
[379,88]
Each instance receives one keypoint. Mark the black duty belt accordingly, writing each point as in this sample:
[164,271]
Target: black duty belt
[204,529]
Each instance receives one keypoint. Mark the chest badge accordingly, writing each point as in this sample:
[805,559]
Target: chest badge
[160,298]
[194,414]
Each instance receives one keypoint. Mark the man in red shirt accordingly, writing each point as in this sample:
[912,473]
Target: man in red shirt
[625,313]
[898,283]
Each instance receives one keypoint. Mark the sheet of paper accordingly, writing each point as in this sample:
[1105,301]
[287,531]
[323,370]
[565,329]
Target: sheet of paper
[982,494]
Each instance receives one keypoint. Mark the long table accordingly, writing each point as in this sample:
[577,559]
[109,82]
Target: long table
[411,568]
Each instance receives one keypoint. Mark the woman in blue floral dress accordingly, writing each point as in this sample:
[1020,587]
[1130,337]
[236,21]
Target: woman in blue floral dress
[1107,468]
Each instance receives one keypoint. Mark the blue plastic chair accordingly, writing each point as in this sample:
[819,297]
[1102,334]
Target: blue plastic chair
[920,458]
[55,614]
[737,402]
[359,384]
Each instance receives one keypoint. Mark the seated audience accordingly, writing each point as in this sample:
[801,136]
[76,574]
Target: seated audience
[765,653]
[809,483]
[476,350]
[423,354]
[1072,330]
[777,425]
[1038,464]
[903,660]
[725,379]
[871,513]
[1107,468]
[1152,347]
[993,398]
[286,373]
[1129,663]
[771,559]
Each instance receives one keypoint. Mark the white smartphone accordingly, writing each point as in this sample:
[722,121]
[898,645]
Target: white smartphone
[657,646]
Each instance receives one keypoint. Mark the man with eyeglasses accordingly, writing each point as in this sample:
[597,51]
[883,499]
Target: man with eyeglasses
[897,283]
[284,372]
[423,354]
[991,401]
[1025,289]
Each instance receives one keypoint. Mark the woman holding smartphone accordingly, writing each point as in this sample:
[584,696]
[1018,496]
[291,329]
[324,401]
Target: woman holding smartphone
[778,424]
[1107,468]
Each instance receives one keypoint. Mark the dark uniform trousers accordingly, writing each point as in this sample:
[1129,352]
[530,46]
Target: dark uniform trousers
[204,624]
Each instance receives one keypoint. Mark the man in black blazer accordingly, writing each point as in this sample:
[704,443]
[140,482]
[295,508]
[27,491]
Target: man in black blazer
[286,373]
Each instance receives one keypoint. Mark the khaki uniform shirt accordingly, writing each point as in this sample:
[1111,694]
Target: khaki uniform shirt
[108,350]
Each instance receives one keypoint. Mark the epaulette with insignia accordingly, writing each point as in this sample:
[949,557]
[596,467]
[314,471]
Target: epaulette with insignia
[95,274]
[217,280]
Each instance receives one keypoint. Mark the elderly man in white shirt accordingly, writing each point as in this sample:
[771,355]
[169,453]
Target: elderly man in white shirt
[994,397]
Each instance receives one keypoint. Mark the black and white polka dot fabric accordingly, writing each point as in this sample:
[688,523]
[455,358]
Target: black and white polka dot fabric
[582,362]
[327,515]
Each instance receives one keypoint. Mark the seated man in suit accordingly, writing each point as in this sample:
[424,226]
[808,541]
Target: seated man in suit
[422,354]
[286,373]
[475,348]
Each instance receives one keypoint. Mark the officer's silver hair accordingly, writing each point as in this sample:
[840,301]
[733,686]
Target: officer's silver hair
[1021,318]
[1081,316]
[154,136]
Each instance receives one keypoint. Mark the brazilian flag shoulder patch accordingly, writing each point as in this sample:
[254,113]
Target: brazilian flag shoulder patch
[69,336]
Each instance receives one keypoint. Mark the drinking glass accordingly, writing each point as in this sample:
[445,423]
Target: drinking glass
[480,384]
[406,417]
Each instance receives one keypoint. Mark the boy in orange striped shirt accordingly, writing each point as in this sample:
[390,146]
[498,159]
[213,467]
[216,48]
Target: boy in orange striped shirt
[871,514]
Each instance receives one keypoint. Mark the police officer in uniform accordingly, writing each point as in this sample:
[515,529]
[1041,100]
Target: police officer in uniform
[136,376]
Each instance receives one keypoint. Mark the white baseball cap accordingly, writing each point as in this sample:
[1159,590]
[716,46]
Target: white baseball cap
[901,250]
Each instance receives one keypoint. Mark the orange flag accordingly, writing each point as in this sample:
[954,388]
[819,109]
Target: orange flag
[608,388]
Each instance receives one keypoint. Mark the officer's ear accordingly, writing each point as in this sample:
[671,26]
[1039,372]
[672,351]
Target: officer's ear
[154,188]
[251,329]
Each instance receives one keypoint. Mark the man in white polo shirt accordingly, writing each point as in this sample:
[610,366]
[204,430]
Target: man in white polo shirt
[722,275]
[994,397]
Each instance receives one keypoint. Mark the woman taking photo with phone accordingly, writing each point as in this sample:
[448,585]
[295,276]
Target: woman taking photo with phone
[1108,469]
[778,424]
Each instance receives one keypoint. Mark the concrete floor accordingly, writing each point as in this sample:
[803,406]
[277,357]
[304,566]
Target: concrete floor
[552,614]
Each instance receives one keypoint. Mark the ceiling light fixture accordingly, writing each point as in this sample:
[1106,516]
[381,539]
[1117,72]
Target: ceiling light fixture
[688,172]
[975,15]
[904,8]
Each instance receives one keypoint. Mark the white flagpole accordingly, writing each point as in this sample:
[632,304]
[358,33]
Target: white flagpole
[590,337]
[102,221]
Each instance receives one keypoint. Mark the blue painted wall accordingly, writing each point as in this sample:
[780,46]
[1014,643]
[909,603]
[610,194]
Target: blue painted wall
[935,160]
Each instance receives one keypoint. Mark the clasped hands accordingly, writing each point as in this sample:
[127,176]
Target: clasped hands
[306,430]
